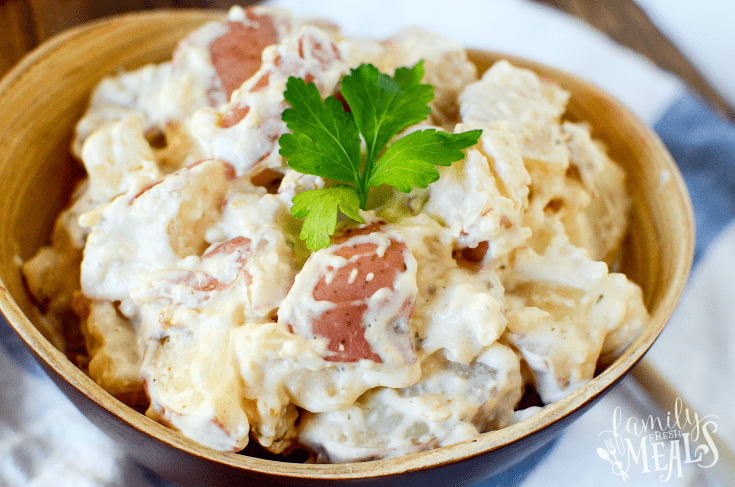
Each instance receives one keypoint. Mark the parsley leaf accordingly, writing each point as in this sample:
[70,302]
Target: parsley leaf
[319,208]
[325,141]
[415,155]
[383,106]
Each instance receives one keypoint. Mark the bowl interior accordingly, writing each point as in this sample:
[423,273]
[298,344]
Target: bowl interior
[42,98]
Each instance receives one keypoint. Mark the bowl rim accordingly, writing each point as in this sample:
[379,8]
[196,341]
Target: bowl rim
[585,395]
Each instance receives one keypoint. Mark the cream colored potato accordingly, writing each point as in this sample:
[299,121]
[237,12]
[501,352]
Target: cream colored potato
[598,227]
[151,227]
[562,308]
[446,67]
[189,318]
[457,310]
[532,107]
[451,402]
[482,198]
[115,350]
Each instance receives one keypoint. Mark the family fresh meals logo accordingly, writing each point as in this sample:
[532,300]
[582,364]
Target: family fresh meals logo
[652,446]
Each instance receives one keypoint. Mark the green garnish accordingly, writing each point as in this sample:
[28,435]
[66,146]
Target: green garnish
[325,141]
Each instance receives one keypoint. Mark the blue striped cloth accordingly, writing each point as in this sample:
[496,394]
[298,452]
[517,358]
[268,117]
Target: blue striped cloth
[703,146]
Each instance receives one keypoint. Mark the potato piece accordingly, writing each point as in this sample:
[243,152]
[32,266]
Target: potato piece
[151,227]
[531,106]
[245,132]
[115,350]
[482,198]
[446,67]
[452,402]
[565,310]
[190,316]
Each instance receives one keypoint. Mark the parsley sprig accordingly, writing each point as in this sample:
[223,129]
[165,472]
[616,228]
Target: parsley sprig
[325,141]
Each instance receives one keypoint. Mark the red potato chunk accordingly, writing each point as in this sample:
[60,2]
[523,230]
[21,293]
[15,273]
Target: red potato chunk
[252,119]
[343,324]
[360,302]
[236,55]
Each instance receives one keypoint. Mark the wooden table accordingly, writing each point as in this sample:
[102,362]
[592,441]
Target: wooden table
[26,23]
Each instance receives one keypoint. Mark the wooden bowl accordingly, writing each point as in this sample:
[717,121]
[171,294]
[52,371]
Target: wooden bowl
[42,98]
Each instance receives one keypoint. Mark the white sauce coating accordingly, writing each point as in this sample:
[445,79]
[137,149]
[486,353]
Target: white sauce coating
[246,130]
[450,403]
[418,329]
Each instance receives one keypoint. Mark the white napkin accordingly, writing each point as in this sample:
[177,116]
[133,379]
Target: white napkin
[703,32]
[44,440]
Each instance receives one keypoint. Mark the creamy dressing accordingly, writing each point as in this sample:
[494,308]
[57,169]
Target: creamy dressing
[417,329]
[245,132]
[174,90]
[149,228]
[451,402]
[482,198]
[530,106]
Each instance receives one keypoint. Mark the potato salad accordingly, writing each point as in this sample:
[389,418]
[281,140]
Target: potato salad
[431,320]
